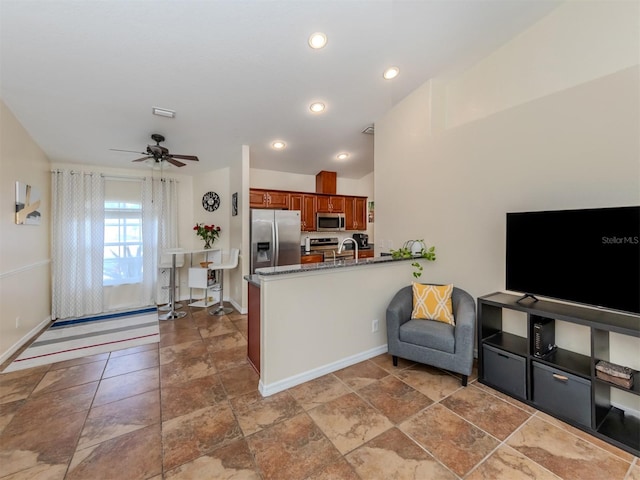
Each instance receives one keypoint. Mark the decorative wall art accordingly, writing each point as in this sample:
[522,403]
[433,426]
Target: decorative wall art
[27,204]
[234,204]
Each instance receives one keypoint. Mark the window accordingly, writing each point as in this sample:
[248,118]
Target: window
[122,243]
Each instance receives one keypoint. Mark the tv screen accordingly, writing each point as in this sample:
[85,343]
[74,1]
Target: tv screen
[589,256]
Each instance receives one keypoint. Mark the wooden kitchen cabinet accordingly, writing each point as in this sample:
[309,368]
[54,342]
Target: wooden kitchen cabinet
[306,204]
[268,199]
[330,204]
[312,258]
[355,213]
[365,253]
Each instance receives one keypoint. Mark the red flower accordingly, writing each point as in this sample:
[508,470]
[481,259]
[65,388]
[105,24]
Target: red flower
[207,232]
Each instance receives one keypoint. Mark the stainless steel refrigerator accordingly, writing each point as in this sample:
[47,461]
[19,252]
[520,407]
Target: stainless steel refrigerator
[275,238]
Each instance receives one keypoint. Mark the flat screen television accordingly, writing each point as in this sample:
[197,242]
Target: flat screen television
[589,256]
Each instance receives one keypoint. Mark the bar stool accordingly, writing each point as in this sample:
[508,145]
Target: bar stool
[171,259]
[230,263]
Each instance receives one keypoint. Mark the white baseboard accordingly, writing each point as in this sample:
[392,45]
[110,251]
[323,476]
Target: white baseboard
[20,343]
[279,386]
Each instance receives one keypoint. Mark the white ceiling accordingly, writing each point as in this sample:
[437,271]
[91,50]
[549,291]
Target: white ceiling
[82,76]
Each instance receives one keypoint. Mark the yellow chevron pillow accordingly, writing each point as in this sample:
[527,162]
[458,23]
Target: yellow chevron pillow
[433,302]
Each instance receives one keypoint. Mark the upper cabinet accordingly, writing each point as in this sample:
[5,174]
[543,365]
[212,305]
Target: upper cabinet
[306,203]
[354,208]
[355,213]
[330,204]
[268,199]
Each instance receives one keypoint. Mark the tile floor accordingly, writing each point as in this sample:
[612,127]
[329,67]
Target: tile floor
[188,408]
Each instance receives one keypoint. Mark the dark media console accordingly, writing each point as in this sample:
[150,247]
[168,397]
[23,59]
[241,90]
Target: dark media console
[559,382]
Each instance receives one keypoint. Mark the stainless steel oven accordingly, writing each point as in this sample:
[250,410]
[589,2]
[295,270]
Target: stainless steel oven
[330,222]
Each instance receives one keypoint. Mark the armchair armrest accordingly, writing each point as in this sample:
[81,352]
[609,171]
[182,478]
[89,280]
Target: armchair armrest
[464,309]
[399,309]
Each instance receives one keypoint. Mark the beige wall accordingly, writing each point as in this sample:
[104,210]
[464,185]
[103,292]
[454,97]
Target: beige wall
[566,137]
[25,267]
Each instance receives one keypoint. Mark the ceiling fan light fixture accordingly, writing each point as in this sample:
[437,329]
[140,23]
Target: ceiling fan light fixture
[317,40]
[163,112]
[317,107]
[390,73]
[278,144]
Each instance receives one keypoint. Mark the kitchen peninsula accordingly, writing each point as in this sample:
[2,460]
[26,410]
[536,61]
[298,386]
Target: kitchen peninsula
[308,320]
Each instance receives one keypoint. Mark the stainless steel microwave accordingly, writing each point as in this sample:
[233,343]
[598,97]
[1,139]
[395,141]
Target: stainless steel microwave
[330,222]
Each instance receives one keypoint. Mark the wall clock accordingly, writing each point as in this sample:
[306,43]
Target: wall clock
[210,201]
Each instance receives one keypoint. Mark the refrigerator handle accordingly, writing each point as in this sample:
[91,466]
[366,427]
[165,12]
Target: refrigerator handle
[276,247]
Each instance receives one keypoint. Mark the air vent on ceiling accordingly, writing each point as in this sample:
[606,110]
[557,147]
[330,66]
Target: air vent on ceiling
[369,130]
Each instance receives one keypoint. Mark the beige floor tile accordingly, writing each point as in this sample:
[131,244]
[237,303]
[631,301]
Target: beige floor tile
[185,361]
[52,442]
[135,455]
[127,385]
[455,442]
[508,464]
[131,363]
[361,374]
[71,376]
[392,455]
[197,433]
[486,411]
[291,450]
[230,358]
[239,380]
[120,417]
[255,412]
[348,422]
[394,398]
[186,397]
[565,454]
[233,461]
[19,385]
[319,391]
[432,382]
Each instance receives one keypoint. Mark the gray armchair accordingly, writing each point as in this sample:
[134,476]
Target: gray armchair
[428,341]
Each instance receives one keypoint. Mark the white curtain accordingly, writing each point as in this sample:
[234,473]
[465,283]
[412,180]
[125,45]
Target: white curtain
[77,220]
[159,230]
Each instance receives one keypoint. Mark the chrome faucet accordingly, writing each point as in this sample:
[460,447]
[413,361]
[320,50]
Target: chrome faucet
[354,243]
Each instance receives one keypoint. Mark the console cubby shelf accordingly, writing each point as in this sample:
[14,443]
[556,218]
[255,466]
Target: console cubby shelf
[561,383]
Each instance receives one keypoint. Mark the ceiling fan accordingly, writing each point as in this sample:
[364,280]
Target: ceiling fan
[159,153]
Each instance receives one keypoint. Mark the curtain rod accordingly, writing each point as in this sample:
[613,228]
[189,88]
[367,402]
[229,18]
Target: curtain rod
[116,177]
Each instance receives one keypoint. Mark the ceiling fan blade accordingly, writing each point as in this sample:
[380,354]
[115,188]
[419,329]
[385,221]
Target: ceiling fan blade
[142,159]
[129,151]
[184,157]
[175,162]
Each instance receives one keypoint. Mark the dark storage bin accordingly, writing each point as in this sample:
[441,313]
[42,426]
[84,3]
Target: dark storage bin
[562,393]
[505,370]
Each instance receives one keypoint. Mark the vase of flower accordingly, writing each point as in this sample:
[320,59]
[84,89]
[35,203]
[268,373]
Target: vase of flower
[208,233]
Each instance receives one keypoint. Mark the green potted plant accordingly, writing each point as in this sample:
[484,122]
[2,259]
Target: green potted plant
[415,249]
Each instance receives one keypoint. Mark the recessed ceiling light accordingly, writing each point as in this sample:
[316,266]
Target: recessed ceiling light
[317,107]
[317,40]
[391,72]
[163,112]
[342,156]
[278,145]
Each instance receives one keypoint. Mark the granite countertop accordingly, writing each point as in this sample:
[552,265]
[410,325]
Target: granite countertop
[312,267]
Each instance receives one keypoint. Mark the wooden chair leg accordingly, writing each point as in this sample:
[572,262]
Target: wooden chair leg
[395,360]
[464,380]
